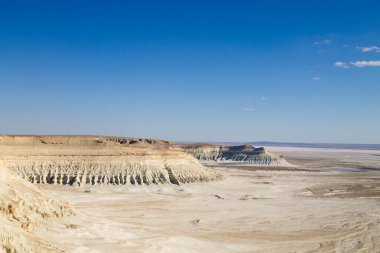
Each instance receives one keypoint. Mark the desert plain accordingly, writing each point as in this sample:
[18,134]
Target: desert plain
[328,202]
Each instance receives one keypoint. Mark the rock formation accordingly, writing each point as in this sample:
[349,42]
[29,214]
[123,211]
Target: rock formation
[93,160]
[24,208]
[235,155]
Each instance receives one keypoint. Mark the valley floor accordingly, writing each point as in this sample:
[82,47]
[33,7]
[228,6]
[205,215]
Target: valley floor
[330,204]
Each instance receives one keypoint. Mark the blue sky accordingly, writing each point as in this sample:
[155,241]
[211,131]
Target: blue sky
[300,71]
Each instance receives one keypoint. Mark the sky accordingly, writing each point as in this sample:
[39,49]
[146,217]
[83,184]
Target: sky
[292,71]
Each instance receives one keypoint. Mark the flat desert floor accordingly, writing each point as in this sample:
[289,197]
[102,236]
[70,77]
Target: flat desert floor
[330,203]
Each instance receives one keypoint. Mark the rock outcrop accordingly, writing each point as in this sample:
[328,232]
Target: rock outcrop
[94,160]
[235,155]
[23,209]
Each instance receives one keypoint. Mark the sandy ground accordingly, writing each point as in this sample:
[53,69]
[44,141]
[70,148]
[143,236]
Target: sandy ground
[334,207]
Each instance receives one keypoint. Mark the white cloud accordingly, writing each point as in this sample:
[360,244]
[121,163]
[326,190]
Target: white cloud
[316,78]
[323,42]
[369,49]
[340,64]
[362,64]
[249,109]
[263,98]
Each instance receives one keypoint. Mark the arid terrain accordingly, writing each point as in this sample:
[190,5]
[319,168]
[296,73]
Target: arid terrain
[329,202]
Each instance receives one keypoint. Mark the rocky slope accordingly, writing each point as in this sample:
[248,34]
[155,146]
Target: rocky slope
[94,160]
[24,209]
[236,155]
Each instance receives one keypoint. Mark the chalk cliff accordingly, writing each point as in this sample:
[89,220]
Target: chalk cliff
[94,160]
[237,155]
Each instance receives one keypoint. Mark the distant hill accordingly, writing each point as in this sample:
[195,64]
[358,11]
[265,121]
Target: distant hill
[306,145]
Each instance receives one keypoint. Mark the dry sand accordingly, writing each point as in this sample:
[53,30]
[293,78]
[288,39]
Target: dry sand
[335,207]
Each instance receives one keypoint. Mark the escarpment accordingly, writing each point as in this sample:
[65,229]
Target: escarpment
[237,155]
[93,160]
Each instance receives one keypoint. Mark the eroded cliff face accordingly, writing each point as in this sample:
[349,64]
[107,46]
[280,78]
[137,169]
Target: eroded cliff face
[92,160]
[239,155]
[24,209]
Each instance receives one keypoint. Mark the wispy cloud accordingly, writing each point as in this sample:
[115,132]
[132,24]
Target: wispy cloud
[323,42]
[263,98]
[316,78]
[249,109]
[369,49]
[340,64]
[362,64]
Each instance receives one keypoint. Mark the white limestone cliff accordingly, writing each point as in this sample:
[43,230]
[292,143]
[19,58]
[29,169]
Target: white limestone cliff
[235,155]
[79,160]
